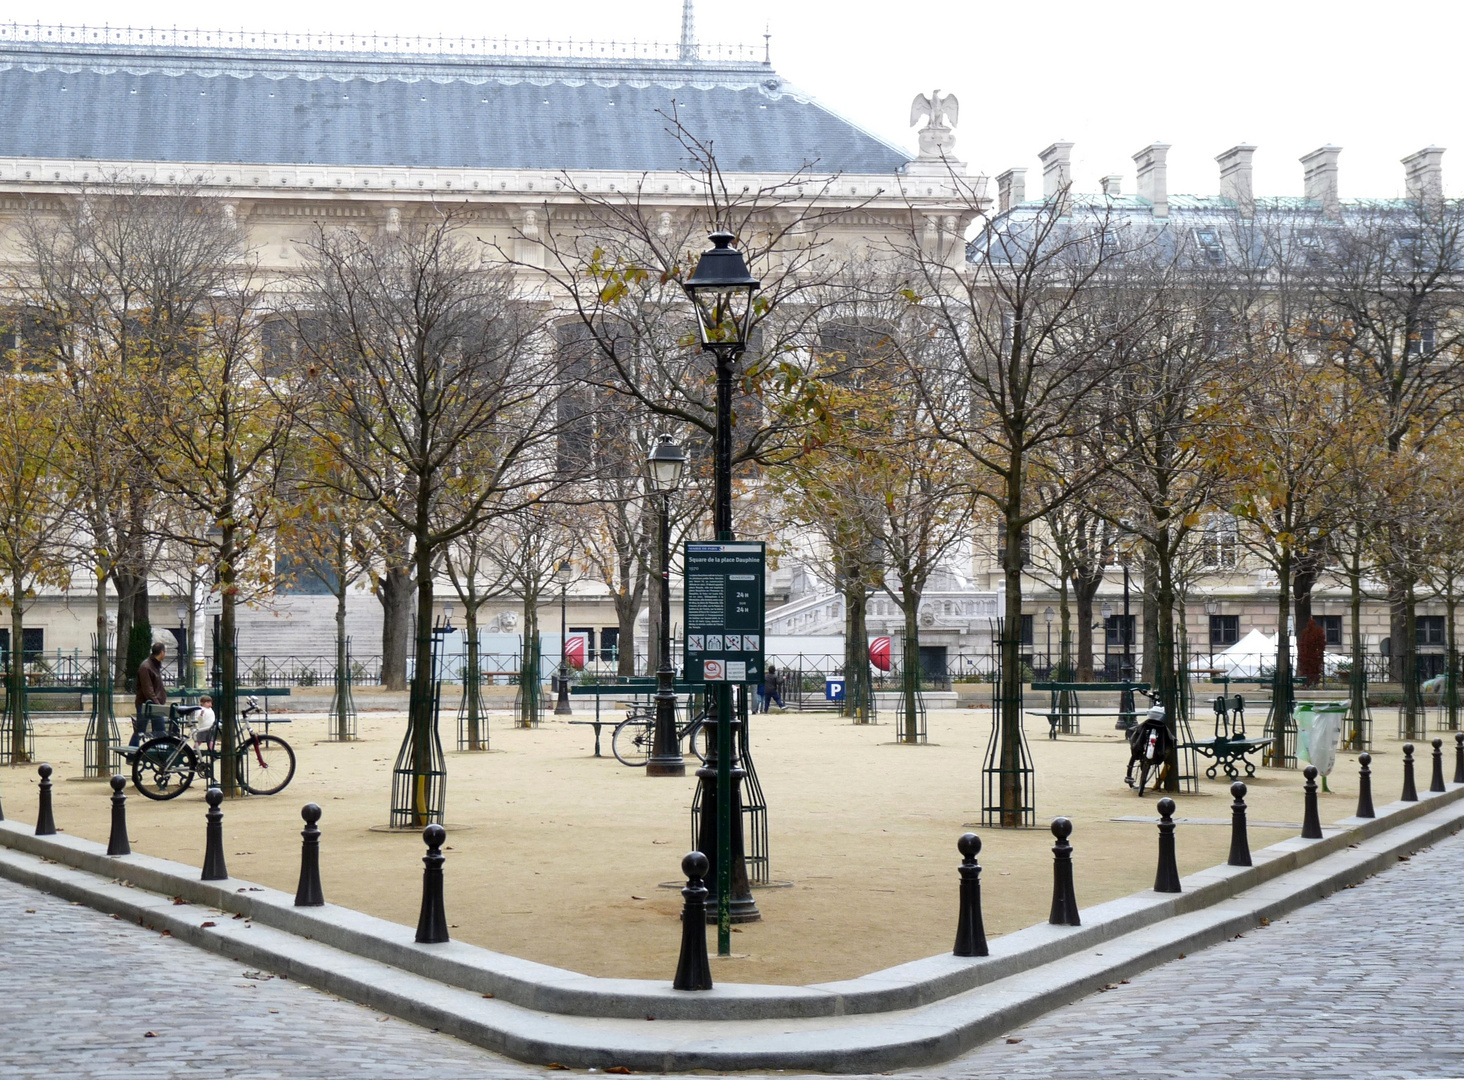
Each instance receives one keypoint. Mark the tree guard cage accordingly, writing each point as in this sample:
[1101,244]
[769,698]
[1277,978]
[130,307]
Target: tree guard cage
[910,708]
[1176,694]
[101,727]
[1357,730]
[1449,703]
[419,777]
[754,803]
[343,703]
[1282,715]
[1008,760]
[1413,713]
[18,745]
[472,716]
[529,704]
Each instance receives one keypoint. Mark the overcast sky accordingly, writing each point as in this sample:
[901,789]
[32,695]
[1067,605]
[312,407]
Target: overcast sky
[1379,80]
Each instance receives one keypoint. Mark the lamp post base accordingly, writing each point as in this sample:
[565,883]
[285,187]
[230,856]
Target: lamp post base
[666,766]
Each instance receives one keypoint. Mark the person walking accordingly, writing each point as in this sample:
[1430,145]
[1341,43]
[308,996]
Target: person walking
[772,688]
[151,695]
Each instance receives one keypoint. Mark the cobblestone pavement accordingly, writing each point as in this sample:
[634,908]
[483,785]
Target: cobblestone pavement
[1368,983]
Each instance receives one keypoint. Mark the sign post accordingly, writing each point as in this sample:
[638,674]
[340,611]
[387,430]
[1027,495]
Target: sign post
[724,621]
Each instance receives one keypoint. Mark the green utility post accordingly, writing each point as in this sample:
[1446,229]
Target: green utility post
[724,646]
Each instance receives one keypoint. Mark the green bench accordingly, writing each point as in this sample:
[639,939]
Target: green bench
[1065,712]
[1230,746]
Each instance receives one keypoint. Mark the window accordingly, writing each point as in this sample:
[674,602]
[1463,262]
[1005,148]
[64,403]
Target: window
[1027,629]
[1423,339]
[1113,630]
[1220,542]
[1224,631]
[1211,247]
[1332,626]
[34,642]
[1431,630]
[610,643]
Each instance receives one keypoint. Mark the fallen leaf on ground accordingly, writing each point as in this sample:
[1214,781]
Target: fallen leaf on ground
[206,925]
[1014,1040]
[149,1034]
[619,1070]
[556,1065]
[634,897]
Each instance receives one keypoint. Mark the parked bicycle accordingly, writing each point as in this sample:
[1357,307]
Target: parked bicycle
[635,737]
[164,766]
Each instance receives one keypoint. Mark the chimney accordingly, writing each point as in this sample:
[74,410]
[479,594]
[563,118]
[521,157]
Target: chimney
[1235,179]
[1011,189]
[1423,174]
[1113,185]
[1057,168]
[1319,178]
[1153,178]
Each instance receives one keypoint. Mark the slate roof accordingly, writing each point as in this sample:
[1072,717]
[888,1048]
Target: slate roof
[262,106]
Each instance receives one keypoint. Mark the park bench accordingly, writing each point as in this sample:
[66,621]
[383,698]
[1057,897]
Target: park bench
[1065,712]
[636,688]
[1230,746]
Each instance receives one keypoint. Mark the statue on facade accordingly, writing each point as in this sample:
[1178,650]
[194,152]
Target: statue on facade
[937,138]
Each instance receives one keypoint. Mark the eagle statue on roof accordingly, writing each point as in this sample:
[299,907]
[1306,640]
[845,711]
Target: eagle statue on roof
[943,111]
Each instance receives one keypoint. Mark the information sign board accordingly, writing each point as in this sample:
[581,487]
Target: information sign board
[724,612]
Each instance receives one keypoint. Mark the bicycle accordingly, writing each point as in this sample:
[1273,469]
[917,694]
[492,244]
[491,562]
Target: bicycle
[164,766]
[635,737]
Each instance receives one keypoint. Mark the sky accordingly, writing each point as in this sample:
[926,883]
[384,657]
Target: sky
[1379,80]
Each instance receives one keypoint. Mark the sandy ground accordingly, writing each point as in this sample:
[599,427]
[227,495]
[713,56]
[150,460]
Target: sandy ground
[556,856]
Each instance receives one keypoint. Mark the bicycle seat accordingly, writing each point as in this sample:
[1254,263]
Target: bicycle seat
[188,710]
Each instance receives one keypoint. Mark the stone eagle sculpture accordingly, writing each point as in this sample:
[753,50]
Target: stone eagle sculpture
[943,111]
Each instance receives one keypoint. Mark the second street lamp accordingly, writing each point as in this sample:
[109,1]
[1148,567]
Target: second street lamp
[561,703]
[721,290]
[667,462]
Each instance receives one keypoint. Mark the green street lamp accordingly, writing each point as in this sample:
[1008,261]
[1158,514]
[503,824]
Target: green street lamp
[666,463]
[721,291]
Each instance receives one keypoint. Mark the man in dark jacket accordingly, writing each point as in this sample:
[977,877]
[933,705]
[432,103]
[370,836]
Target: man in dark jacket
[151,694]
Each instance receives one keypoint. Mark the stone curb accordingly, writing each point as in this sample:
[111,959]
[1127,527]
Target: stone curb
[724,1030]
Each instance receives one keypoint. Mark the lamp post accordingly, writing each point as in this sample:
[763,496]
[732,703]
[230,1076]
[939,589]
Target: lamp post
[561,703]
[1106,611]
[1047,618]
[721,290]
[666,463]
[183,645]
[1212,608]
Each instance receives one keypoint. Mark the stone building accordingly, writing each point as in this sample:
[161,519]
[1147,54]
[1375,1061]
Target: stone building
[288,131]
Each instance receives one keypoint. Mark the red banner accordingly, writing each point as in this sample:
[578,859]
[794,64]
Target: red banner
[879,653]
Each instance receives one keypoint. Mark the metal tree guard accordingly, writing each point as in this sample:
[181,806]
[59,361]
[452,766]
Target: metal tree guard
[754,803]
[1357,736]
[343,702]
[472,717]
[1017,770]
[19,743]
[1177,695]
[1450,701]
[101,728]
[1413,713]
[910,729]
[419,777]
[1282,714]
[528,703]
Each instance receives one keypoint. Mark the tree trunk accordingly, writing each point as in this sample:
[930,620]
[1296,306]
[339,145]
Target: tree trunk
[395,592]
[343,727]
[911,673]
[228,661]
[1010,761]
[1159,650]
[858,685]
[423,718]
[1148,663]
[1085,589]
[471,679]
[1281,684]
[15,692]
[627,608]
[1357,678]
[529,681]
[1065,642]
[1412,728]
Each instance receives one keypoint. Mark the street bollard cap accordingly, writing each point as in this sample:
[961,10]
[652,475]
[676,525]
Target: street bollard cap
[969,845]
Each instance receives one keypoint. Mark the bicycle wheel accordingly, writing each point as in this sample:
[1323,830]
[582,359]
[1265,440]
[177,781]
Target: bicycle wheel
[695,736]
[632,741]
[266,765]
[163,768]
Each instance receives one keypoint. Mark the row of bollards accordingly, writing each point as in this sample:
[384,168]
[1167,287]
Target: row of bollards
[693,969]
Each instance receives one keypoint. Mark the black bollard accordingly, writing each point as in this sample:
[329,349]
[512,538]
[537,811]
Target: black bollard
[1437,782]
[970,930]
[309,893]
[1064,899]
[1410,792]
[1459,757]
[1239,843]
[1364,786]
[45,819]
[117,843]
[693,968]
[432,922]
[1311,821]
[1166,878]
[213,850]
